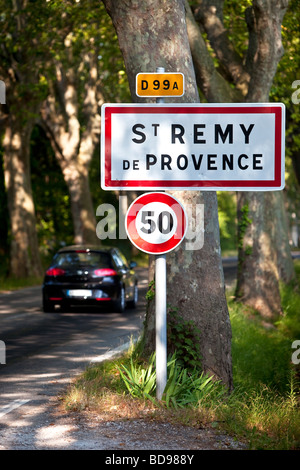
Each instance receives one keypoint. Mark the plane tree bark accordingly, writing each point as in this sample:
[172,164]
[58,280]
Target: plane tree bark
[24,250]
[153,34]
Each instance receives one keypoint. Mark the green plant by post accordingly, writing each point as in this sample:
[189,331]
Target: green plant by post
[184,339]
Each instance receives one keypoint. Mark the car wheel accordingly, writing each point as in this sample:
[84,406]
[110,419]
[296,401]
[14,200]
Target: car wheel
[120,302]
[133,303]
[48,307]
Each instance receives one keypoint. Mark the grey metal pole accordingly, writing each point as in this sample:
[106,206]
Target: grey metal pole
[161,311]
[161,323]
[160,70]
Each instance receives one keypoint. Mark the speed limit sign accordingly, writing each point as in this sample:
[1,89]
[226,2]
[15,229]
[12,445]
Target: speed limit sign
[156,223]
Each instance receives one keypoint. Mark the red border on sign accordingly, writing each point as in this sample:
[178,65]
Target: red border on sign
[142,244]
[157,184]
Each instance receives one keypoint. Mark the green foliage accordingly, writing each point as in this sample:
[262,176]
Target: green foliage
[227,220]
[187,388]
[243,224]
[288,72]
[140,381]
[183,339]
[184,387]
[261,354]
[150,295]
[289,322]
[263,418]
[51,198]
[234,21]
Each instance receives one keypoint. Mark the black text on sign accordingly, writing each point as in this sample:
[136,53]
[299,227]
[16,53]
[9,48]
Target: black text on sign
[159,84]
[208,147]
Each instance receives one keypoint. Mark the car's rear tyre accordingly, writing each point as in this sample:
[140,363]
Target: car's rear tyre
[48,306]
[133,303]
[119,305]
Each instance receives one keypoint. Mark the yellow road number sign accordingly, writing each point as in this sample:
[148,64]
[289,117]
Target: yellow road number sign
[159,84]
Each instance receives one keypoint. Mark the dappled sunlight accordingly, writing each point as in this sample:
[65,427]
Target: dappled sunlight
[44,354]
[52,436]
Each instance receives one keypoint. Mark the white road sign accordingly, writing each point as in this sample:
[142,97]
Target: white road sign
[193,146]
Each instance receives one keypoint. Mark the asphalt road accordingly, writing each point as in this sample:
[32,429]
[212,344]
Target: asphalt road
[43,352]
[28,332]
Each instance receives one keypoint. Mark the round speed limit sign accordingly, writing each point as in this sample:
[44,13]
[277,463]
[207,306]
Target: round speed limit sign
[156,223]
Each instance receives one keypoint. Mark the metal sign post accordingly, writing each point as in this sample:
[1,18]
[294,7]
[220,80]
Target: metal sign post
[161,310]
[161,323]
[156,223]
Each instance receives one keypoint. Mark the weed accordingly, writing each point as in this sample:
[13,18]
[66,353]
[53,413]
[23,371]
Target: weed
[184,339]
[140,381]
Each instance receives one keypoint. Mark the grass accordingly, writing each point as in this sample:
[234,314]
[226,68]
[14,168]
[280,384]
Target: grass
[10,284]
[263,410]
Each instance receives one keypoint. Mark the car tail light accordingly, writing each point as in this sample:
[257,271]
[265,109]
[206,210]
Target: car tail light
[105,272]
[55,272]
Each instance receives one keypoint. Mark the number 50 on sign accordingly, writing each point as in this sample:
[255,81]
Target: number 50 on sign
[156,223]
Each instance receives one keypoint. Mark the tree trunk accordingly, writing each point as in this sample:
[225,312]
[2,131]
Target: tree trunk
[83,214]
[264,253]
[24,250]
[153,34]
[257,284]
[74,149]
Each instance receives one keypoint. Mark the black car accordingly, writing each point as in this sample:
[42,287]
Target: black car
[89,276]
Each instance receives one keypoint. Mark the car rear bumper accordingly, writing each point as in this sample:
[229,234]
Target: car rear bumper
[80,295]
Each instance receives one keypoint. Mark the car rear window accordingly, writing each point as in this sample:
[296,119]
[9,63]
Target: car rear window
[93,259]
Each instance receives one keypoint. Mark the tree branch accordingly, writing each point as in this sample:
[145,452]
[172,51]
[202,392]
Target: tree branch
[214,87]
[209,14]
[265,49]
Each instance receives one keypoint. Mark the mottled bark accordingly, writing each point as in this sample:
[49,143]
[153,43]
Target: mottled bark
[153,33]
[22,103]
[258,277]
[24,249]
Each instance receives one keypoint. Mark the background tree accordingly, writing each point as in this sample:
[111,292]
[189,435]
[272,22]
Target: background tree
[21,40]
[264,253]
[70,114]
[151,34]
